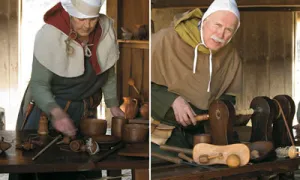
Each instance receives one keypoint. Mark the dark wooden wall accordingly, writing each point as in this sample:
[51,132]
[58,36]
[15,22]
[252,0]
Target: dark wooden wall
[265,42]
[241,3]
[134,63]
[133,12]
[134,54]
[128,13]
[8,53]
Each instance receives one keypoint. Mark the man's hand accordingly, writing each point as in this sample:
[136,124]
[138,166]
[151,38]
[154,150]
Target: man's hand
[116,111]
[184,114]
[62,123]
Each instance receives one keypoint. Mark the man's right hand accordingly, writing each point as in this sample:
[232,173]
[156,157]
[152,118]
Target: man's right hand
[62,122]
[184,114]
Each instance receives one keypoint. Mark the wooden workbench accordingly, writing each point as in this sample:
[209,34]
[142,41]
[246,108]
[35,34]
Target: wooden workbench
[56,160]
[184,172]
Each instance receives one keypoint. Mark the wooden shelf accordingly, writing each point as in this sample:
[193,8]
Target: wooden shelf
[137,44]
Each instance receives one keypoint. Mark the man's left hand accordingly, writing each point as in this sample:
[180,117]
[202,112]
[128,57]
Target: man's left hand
[116,111]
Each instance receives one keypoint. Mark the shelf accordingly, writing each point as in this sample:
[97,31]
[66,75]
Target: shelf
[138,44]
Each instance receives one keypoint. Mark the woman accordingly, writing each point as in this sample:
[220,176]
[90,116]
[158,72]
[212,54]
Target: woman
[73,64]
[74,57]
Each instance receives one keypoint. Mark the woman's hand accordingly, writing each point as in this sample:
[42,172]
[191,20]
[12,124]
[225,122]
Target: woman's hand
[116,111]
[62,122]
[184,114]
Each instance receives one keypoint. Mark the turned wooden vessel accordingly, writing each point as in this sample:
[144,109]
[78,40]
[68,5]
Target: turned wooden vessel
[201,138]
[130,107]
[135,133]
[76,145]
[144,110]
[93,127]
[117,125]
[43,125]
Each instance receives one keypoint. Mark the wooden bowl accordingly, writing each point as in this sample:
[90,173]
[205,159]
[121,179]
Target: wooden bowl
[135,133]
[93,127]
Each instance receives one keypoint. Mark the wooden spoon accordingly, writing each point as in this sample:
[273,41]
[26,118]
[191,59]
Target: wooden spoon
[131,83]
[205,158]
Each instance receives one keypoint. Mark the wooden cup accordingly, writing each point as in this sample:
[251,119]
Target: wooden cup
[117,125]
[202,138]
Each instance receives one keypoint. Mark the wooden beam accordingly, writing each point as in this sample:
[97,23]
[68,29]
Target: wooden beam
[241,3]
[112,11]
[134,44]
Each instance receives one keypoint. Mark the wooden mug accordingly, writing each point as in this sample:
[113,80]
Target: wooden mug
[117,125]
[201,138]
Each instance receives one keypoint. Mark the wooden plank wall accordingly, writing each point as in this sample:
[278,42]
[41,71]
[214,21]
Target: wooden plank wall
[133,63]
[131,13]
[134,55]
[265,43]
[8,55]
[266,47]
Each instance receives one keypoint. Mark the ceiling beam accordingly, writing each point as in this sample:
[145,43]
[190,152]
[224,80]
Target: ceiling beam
[243,4]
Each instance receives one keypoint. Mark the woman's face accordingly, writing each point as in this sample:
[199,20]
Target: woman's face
[83,27]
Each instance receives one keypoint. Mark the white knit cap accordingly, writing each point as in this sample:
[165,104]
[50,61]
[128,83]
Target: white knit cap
[82,8]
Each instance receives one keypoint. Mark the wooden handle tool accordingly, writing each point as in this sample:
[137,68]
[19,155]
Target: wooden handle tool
[204,117]
[176,149]
[45,148]
[205,158]
[131,83]
[185,157]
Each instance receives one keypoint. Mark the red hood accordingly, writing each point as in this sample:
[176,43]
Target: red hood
[60,19]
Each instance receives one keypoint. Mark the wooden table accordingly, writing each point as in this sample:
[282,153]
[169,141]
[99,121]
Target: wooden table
[56,160]
[183,172]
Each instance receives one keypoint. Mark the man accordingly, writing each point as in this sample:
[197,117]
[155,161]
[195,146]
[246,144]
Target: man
[193,64]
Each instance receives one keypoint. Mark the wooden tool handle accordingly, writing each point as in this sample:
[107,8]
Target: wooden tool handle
[136,90]
[176,149]
[107,153]
[185,157]
[202,117]
[205,158]
[244,112]
[167,158]
[28,111]
[45,148]
[205,117]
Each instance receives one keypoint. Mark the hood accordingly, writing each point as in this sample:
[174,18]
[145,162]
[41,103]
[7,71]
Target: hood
[59,18]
